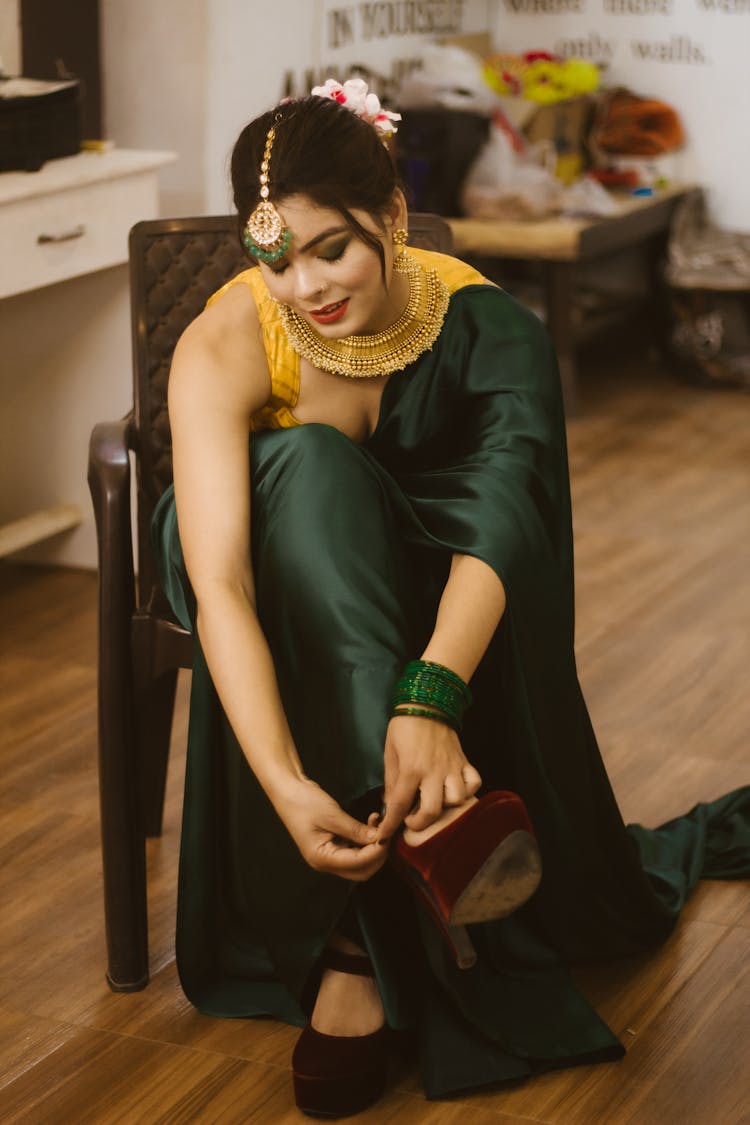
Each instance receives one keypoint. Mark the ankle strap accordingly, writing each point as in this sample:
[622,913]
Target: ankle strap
[354,963]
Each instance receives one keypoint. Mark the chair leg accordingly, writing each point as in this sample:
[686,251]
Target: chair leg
[155,709]
[123,847]
[123,844]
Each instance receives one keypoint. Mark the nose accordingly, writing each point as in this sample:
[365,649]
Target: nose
[308,284]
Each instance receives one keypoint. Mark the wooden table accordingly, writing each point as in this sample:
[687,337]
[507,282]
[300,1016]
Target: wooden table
[560,244]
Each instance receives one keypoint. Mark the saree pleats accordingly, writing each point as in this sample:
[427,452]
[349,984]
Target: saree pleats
[351,546]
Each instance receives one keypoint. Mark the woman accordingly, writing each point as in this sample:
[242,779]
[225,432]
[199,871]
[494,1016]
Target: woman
[403,497]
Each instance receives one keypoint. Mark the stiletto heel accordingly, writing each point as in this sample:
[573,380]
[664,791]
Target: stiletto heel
[480,867]
[339,1075]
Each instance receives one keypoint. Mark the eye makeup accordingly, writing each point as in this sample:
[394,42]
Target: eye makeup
[335,249]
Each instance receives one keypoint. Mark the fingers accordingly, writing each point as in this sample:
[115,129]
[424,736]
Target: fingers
[347,828]
[397,805]
[455,790]
[429,807]
[357,864]
[472,780]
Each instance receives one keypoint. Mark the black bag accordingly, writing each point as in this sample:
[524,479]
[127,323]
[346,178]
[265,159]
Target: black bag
[434,150]
[39,121]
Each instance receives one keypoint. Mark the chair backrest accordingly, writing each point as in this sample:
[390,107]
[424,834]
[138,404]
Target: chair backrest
[175,265]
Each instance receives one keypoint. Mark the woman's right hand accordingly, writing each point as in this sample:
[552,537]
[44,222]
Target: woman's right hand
[328,838]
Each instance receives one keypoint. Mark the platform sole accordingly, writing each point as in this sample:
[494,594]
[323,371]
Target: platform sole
[331,1098]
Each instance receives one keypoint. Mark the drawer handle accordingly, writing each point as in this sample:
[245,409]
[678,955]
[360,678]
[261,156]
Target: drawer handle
[66,236]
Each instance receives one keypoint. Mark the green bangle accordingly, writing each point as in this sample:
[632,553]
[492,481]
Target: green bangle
[410,691]
[437,716]
[425,683]
[440,672]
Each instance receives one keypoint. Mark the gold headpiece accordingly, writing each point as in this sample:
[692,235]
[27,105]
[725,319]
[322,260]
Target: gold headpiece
[265,235]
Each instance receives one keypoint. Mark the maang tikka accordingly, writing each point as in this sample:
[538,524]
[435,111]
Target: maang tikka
[265,235]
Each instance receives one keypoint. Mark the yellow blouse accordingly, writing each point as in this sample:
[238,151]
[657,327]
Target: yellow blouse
[284,362]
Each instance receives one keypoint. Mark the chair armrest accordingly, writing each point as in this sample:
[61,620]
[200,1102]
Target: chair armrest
[109,484]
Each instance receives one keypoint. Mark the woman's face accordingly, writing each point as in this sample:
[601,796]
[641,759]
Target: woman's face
[330,276]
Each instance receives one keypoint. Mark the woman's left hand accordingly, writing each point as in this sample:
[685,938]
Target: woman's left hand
[425,771]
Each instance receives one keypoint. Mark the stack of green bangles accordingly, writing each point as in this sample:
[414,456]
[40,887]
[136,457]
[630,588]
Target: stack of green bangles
[433,692]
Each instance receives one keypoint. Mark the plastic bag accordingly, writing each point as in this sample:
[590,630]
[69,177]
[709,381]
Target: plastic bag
[450,78]
[505,183]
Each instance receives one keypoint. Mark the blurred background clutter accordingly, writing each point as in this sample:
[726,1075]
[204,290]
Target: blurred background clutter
[598,176]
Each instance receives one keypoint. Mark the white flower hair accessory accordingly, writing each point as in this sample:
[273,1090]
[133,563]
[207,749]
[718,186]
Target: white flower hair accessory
[353,96]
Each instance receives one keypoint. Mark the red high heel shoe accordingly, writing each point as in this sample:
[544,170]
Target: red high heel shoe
[339,1075]
[480,867]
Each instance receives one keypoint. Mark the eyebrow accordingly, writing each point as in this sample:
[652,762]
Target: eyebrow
[323,235]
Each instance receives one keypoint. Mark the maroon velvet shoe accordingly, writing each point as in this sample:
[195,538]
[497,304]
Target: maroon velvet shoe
[339,1075]
[480,867]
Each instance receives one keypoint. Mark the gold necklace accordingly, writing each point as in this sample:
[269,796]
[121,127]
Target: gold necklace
[364,357]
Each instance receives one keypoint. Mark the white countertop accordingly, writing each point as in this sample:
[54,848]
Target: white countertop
[76,171]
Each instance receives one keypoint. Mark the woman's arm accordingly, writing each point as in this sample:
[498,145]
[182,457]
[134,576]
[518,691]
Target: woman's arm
[470,611]
[219,379]
[423,758]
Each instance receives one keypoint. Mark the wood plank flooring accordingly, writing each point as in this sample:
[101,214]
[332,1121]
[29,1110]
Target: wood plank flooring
[661,485]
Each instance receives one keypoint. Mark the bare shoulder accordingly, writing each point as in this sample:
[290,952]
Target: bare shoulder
[220,358]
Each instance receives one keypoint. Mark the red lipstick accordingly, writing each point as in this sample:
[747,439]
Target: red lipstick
[329,314]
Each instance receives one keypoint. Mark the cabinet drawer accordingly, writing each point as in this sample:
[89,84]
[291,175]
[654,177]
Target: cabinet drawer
[54,237]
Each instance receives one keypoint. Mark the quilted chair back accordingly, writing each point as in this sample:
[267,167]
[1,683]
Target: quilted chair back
[176,264]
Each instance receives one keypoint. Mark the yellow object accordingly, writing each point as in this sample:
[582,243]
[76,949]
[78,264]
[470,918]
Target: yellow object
[569,167]
[544,81]
[284,361]
[97,146]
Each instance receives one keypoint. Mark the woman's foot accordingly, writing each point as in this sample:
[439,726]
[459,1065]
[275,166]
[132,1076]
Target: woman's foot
[414,839]
[347,1004]
[339,1063]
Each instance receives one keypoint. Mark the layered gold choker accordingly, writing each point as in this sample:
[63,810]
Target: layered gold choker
[364,357]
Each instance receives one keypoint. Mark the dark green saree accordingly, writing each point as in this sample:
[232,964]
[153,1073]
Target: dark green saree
[351,548]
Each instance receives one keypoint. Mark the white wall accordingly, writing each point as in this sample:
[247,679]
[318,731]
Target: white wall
[154,81]
[250,57]
[66,366]
[187,75]
[691,53]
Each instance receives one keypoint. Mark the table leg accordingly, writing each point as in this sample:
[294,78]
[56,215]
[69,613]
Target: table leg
[559,280]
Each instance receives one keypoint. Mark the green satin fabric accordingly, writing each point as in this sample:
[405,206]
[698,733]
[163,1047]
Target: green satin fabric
[351,547]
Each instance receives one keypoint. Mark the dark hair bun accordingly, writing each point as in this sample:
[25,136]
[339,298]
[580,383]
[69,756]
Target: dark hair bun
[321,150]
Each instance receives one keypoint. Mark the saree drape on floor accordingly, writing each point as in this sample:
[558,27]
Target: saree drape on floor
[351,548]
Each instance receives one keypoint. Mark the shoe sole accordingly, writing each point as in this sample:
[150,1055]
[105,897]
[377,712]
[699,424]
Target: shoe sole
[505,881]
[325,1099]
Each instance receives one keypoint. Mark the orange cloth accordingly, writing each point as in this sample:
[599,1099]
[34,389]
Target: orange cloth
[633,126]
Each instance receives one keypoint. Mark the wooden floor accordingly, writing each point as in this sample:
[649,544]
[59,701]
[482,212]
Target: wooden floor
[661,481]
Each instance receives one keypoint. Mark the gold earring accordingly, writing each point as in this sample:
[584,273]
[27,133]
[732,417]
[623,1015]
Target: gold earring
[400,237]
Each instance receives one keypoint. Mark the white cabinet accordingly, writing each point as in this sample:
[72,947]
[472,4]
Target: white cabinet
[64,348]
[73,216]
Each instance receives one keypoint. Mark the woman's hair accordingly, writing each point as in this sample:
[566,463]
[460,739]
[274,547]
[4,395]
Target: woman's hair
[321,150]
